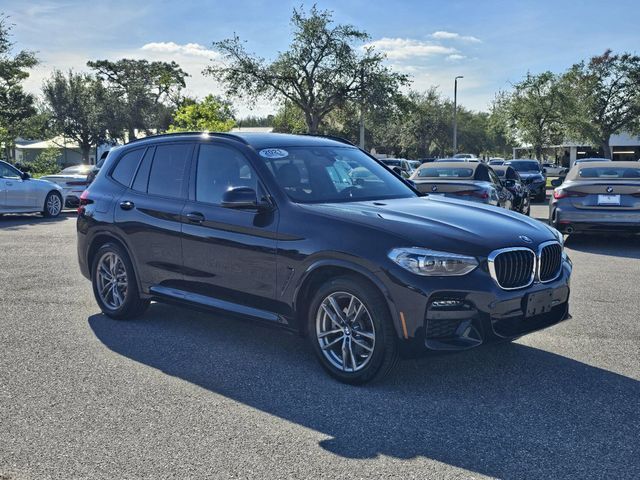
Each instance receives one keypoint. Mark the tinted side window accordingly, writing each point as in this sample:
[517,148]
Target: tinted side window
[494,177]
[126,167]
[167,175]
[220,168]
[142,177]
[482,174]
[8,172]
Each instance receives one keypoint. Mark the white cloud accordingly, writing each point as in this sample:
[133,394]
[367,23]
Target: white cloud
[455,57]
[188,49]
[442,35]
[404,48]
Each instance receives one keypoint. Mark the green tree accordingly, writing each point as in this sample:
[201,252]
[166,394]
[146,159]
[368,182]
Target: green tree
[322,70]
[148,91]
[46,163]
[212,114]
[537,110]
[79,106]
[607,89]
[289,119]
[16,106]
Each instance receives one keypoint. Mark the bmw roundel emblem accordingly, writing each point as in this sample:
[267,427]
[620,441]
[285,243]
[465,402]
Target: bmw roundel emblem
[434,188]
[525,239]
[609,189]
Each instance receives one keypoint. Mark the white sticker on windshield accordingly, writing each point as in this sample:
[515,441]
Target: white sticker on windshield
[273,153]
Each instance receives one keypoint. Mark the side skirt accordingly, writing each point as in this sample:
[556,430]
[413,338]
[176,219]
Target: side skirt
[210,303]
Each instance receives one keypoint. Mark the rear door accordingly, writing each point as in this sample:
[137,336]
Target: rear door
[149,210]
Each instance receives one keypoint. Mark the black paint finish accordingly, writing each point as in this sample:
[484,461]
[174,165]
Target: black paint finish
[261,262]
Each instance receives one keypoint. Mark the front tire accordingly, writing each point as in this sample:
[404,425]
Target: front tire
[114,283]
[351,331]
[52,205]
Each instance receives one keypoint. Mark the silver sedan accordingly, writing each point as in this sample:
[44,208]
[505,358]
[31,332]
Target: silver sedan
[19,193]
[598,196]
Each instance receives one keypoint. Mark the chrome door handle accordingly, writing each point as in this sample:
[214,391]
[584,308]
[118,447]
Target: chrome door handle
[126,205]
[195,217]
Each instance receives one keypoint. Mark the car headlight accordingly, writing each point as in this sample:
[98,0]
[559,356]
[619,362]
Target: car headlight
[431,263]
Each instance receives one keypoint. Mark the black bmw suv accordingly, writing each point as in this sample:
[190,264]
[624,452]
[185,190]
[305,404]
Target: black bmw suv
[312,234]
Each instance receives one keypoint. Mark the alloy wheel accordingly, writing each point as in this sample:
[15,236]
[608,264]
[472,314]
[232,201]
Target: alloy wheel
[112,280]
[345,332]
[54,205]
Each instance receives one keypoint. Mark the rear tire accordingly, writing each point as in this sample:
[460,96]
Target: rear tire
[52,205]
[115,285]
[351,331]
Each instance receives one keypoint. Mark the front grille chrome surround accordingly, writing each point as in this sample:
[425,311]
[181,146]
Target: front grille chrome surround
[518,267]
[549,261]
[513,268]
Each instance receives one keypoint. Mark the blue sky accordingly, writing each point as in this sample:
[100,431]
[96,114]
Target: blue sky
[491,43]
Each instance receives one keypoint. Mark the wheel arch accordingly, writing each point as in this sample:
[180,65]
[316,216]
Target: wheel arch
[321,271]
[102,238]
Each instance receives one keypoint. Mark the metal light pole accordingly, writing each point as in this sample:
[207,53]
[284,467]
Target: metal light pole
[455,114]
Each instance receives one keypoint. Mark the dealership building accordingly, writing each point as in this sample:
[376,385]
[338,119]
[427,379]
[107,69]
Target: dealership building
[623,147]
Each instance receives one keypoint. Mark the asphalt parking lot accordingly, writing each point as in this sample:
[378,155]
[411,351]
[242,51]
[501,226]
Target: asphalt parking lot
[183,394]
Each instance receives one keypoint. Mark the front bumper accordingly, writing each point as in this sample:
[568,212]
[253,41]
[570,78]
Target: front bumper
[458,313]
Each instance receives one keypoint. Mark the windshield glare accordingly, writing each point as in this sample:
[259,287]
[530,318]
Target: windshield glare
[333,174]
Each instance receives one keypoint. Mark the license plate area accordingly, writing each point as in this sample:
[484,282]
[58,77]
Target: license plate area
[608,199]
[539,302]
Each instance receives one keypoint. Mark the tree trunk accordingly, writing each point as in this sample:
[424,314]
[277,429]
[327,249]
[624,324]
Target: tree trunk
[538,149]
[86,150]
[606,149]
[132,134]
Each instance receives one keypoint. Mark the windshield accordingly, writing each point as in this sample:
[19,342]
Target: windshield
[531,166]
[436,172]
[81,169]
[392,163]
[332,174]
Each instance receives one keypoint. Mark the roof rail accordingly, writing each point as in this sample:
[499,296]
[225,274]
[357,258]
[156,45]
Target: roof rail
[331,137]
[212,134]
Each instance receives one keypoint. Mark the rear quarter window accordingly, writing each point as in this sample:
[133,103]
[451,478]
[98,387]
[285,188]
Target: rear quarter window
[126,167]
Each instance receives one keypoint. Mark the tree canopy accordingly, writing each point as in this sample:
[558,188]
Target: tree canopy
[147,91]
[16,106]
[607,93]
[211,114]
[322,70]
[80,107]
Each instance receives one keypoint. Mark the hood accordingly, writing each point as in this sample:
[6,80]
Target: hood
[443,223]
[44,183]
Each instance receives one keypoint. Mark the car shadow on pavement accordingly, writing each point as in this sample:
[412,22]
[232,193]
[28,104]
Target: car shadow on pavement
[507,411]
[625,246]
[13,221]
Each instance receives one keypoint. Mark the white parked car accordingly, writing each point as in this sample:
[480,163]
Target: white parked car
[552,170]
[19,193]
[73,181]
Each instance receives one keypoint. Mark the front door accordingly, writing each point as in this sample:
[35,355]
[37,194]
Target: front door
[15,193]
[229,254]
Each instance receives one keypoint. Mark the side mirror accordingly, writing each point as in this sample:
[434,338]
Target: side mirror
[556,182]
[509,183]
[241,198]
[25,176]
[397,170]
